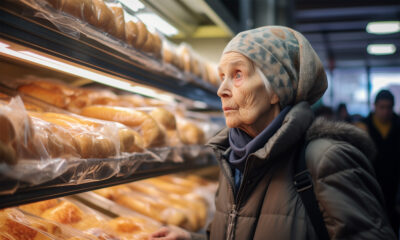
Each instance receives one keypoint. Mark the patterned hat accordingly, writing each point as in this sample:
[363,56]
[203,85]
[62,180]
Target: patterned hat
[287,60]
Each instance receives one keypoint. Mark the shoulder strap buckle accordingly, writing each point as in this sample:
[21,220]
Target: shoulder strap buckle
[303,181]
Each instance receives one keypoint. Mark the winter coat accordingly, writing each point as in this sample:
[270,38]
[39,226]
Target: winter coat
[267,205]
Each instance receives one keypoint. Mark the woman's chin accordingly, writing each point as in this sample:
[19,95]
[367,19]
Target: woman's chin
[231,123]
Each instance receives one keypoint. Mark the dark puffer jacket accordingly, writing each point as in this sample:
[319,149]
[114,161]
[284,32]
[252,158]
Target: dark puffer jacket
[267,205]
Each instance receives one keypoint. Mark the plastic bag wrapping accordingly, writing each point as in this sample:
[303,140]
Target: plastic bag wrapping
[17,225]
[168,199]
[106,22]
[87,218]
[103,27]
[72,216]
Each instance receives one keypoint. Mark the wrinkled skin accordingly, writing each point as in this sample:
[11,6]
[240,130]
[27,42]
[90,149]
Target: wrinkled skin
[245,100]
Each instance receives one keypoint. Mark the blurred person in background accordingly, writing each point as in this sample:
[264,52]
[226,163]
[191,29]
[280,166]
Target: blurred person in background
[325,112]
[384,128]
[342,114]
[270,77]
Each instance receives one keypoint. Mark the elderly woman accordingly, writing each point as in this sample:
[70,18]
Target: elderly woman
[270,77]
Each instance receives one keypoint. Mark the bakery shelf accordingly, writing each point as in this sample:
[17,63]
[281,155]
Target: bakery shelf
[41,35]
[196,157]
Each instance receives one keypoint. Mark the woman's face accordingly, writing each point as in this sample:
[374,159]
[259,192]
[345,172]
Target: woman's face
[245,101]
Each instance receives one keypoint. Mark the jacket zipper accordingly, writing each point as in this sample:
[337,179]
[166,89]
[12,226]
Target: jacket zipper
[232,222]
[233,213]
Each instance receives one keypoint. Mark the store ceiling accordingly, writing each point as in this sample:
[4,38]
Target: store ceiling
[336,30]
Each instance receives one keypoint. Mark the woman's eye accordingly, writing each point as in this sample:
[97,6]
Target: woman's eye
[222,77]
[238,75]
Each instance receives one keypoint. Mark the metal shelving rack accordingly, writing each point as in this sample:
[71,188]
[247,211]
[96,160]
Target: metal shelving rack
[41,35]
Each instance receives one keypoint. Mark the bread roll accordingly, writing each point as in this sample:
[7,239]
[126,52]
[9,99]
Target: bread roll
[189,133]
[132,227]
[113,192]
[195,66]
[103,17]
[131,33]
[82,9]
[164,117]
[49,96]
[152,208]
[65,213]
[141,35]
[168,187]
[51,141]
[38,208]
[168,55]
[149,44]
[185,58]
[152,134]
[88,143]
[130,140]
[157,44]
[133,100]
[118,13]
[212,75]
[7,154]
[7,131]
[14,226]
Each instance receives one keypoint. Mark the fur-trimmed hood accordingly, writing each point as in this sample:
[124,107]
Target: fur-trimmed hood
[341,131]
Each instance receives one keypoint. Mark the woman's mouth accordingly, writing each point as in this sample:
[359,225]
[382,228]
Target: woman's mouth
[228,109]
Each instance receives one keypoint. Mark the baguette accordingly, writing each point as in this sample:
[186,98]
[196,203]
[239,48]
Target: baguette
[153,135]
[55,98]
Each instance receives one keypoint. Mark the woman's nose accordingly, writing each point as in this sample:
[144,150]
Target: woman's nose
[224,89]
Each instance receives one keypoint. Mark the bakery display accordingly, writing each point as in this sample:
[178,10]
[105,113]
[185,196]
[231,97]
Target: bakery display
[169,200]
[88,221]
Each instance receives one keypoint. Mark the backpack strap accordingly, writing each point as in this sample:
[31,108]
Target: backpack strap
[304,185]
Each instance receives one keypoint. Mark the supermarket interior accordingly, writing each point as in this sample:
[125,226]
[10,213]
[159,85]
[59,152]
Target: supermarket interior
[107,106]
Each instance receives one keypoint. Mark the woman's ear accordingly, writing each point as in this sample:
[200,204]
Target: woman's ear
[274,99]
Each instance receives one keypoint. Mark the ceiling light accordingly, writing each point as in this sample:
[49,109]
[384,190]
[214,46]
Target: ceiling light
[381,49]
[384,27]
[152,20]
[134,5]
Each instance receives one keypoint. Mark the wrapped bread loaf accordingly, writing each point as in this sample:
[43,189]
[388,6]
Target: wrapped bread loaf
[185,58]
[167,120]
[152,133]
[38,208]
[7,139]
[157,44]
[118,13]
[133,228]
[212,74]
[103,17]
[15,226]
[189,133]
[142,35]
[53,95]
[82,9]
[164,117]
[148,46]
[131,33]
[88,144]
